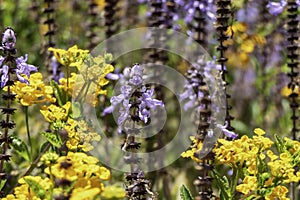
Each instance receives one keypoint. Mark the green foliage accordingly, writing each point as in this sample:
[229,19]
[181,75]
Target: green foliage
[53,138]
[39,191]
[185,193]
[20,147]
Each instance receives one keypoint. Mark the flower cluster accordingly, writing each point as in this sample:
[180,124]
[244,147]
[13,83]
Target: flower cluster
[264,173]
[131,80]
[35,93]
[74,176]
[22,67]
[80,135]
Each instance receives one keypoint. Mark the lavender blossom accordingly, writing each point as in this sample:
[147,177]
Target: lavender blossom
[227,133]
[8,39]
[22,67]
[276,8]
[132,81]
[208,8]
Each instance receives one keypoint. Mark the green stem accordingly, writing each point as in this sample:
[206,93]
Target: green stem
[28,131]
[236,172]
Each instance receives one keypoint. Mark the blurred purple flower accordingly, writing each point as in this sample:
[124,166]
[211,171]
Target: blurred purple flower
[4,77]
[275,8]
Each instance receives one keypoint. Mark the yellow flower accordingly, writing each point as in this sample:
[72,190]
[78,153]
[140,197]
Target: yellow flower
[25,192]
[259,131]
[80,135]
[84,193]
[49,158]
[113,191]
[73,57]
[279,192]
[54,113]
[249,184]
[196,147]
[286,91]
[34,93]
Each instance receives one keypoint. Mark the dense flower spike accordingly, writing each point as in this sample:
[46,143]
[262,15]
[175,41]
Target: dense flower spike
[10,67]
[223,16]
[92,24]
[293,63]
[136,101]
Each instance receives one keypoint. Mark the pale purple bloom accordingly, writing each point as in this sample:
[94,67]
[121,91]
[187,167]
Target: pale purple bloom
[8,39]
[147,103]
[131,80]
[276,8]
[229,134]
[22,68]
[4,77]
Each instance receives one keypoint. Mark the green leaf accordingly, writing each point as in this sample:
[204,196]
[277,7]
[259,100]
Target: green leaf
[76,110]
[20,147]
[58,93]
[2,183]
[38,190]
[53,138]
[185,193]
[279,144]
[223,185]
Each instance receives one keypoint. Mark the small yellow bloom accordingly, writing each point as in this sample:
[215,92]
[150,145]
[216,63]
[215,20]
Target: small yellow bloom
[54,113]
[73,57]
[259,131]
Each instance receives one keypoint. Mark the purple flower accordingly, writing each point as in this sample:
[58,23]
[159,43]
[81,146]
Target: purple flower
[22,68]
[8,39]
[275,8]
[4,77]
[132,79]
[147,103]
[229,134]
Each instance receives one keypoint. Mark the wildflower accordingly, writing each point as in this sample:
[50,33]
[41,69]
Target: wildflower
[36,92]
[73,57]
[196,147]
[132,79]
[249,184]
[276,8]
[54,113]
[22,68]
[278,192]
[24,191]
[80,135]
[8,39]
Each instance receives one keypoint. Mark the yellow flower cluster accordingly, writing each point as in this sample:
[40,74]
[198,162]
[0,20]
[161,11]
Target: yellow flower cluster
[80,135]
[243,151]
[25,192]
[34,93]
[72,57]
[82,171]
[196,147]
[240,57]
[88,83]
[260,165]
[55,113]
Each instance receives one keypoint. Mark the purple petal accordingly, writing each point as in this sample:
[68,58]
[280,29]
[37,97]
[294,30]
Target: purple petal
[4,77]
